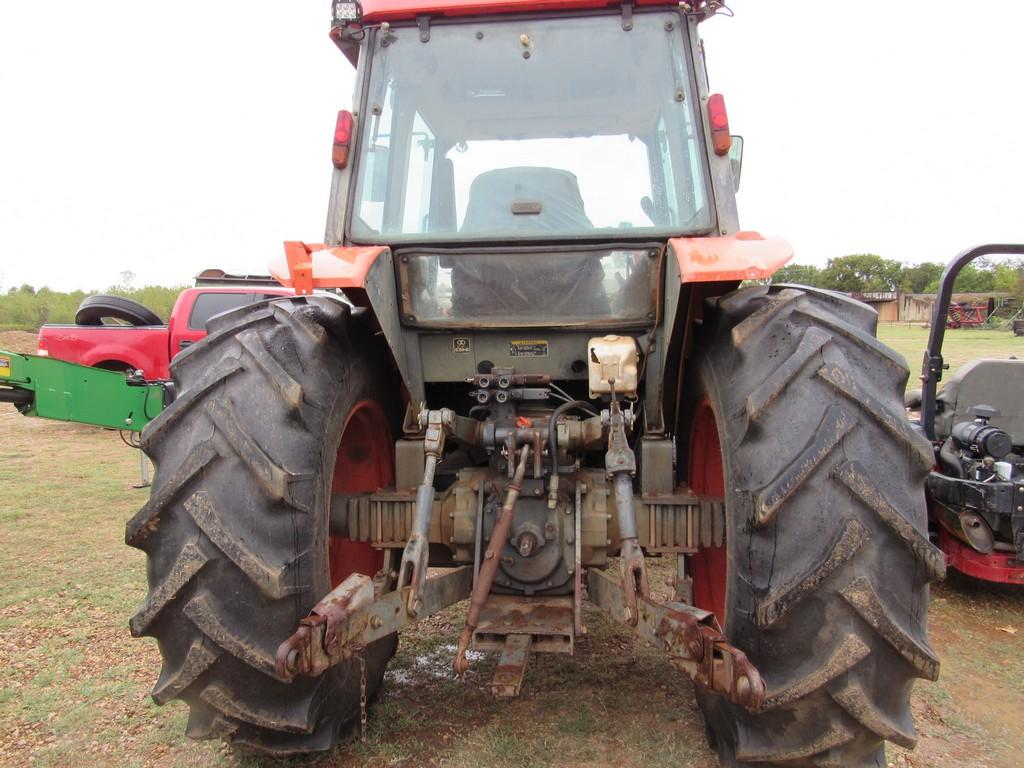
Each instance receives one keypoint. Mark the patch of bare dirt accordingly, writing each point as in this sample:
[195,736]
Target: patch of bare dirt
[22,342]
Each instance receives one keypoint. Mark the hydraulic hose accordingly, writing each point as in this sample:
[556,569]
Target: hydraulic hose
[949,460]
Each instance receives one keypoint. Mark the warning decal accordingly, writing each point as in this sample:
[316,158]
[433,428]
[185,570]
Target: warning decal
[528,348]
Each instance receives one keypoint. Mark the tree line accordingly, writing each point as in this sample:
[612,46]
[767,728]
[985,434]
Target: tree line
[26,308]
[867,272]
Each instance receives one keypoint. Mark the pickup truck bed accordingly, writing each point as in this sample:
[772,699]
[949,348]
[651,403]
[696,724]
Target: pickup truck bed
[114,347]
[148,348]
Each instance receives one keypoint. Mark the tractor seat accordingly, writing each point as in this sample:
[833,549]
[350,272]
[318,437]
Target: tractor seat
[525,199]
[995,382]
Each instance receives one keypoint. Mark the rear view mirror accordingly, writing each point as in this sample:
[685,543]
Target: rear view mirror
[736,159]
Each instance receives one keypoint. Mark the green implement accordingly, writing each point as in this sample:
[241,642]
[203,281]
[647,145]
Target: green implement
[55,389]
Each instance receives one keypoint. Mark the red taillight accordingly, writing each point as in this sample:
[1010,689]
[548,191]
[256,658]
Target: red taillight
[41,349]
[719,120]
[342,138]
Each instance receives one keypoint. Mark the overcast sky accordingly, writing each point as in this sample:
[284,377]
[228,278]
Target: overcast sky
[164,138]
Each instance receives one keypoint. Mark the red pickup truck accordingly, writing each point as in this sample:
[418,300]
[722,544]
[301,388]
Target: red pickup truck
[147,347]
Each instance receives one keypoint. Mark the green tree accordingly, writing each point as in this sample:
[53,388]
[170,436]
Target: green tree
[975,279]
[800,274]
[26,308]
[919,277]
[1008,275]
[158,298]
[986,276]
[861,272]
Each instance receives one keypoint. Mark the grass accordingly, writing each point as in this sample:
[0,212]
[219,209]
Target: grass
[74,686]
[959,345]
[74,683]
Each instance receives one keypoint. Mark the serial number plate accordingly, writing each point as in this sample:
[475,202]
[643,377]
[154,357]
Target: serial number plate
[528,348]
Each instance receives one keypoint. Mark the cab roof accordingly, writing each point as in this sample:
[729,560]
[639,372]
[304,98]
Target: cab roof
[399,10]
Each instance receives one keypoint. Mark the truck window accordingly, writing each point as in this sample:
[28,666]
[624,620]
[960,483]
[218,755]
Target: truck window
[209,304]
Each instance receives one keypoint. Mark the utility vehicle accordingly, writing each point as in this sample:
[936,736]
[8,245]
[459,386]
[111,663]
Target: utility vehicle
[976,425]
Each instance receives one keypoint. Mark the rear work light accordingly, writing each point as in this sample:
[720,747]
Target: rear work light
[718,118]
[342,139]
[346,11]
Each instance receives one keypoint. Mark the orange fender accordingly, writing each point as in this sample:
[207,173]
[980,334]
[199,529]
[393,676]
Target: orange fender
[743,256]
[305,267]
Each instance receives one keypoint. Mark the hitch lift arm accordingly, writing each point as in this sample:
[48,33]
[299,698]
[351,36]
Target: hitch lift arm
[620,466]
[689,636]
[412,572]
[350,617]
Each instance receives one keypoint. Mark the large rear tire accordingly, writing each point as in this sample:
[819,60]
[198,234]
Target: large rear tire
[798,424]
[236,529]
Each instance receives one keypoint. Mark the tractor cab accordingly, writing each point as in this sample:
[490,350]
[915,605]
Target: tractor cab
[551,129]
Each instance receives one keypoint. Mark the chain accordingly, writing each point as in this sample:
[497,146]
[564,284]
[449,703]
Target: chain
[362,698]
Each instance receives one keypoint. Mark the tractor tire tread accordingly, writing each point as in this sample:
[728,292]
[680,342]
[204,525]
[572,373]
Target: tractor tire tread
[843,548]
[245,437]
[810,403]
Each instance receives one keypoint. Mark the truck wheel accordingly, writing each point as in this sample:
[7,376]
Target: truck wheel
[823,575]
[280,405]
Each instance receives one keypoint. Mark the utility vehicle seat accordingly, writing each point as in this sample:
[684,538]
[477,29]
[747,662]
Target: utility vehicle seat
[556,192]
[995,382]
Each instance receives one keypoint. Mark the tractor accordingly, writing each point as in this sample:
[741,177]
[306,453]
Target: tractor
[521,363]
[976,425]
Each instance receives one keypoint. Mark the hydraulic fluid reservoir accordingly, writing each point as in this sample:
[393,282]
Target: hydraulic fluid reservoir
[612,359]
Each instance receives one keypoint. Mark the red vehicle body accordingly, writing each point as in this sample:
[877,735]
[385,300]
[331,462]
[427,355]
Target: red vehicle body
[148,348]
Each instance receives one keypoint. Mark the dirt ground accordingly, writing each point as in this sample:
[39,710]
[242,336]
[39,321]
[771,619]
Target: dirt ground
[18,341]
[74,686]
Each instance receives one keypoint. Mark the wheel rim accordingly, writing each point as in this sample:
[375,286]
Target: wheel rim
[364,464]
[709,567]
